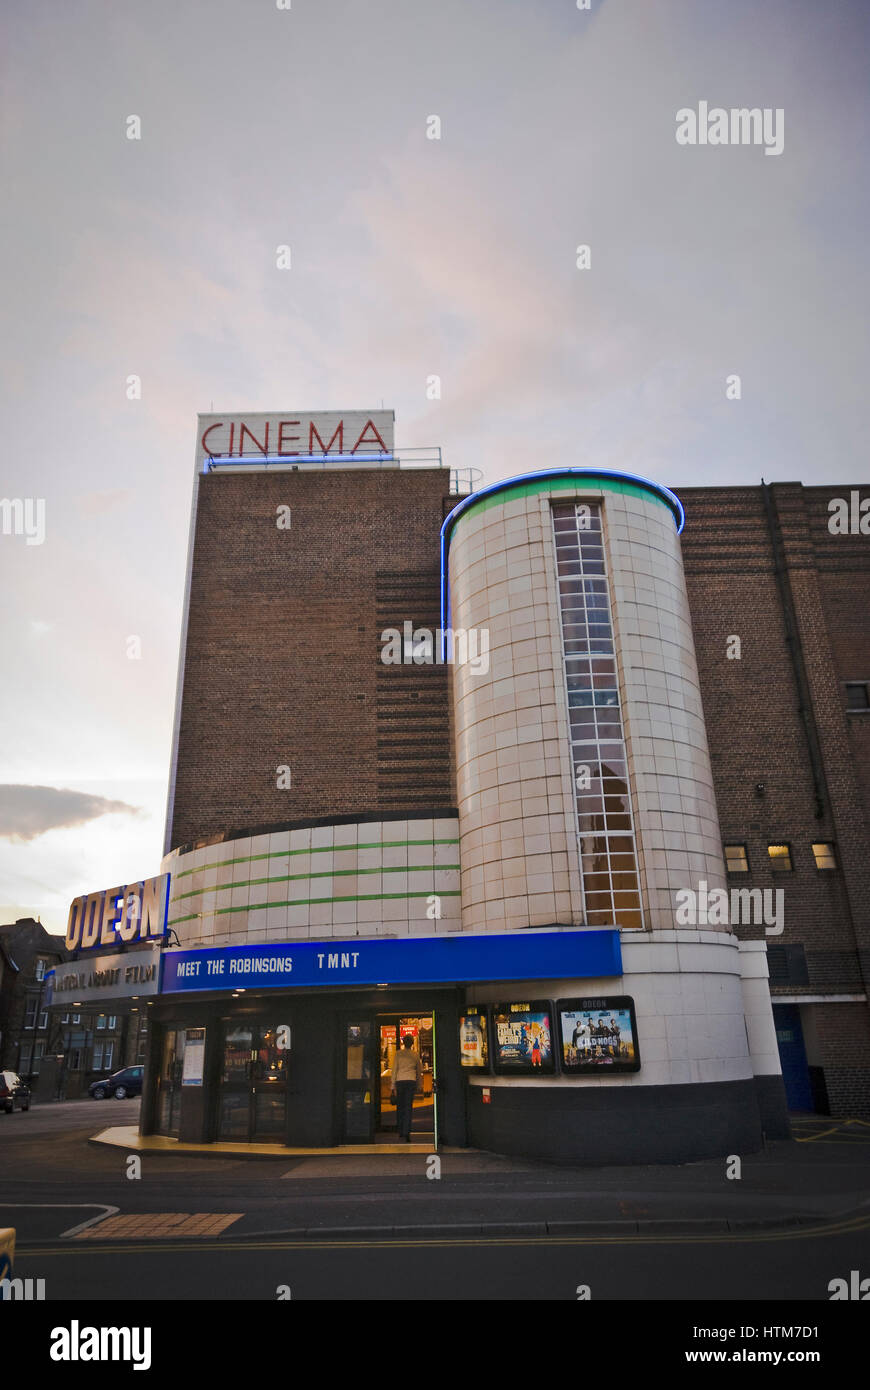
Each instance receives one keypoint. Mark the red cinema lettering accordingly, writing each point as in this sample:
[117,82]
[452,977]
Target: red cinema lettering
[281,449]
[325,448]
[206,434]
[264,447]
[369,425]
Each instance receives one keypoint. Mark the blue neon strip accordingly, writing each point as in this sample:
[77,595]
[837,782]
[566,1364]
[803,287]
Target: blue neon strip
[218,459]
[450,520]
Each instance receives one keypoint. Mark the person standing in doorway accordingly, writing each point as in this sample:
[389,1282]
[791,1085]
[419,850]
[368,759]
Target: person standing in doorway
[407,1073]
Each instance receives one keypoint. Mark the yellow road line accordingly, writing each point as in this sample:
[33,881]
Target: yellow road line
[856,1223]
[819,1135]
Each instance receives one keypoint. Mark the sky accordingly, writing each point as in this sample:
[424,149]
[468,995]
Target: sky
[410,258]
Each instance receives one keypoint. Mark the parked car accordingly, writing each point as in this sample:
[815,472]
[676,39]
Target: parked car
[121,1084]
[13,1091]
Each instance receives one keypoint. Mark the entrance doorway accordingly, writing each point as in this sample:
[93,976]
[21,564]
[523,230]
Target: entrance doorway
[793,1057]
[169,1082]
[391,1035]
[252,1099]
[370,1051]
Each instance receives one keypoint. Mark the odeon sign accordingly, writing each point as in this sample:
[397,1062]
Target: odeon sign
[114,916]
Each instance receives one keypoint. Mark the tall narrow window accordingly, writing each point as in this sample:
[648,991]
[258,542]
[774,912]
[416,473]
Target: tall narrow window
[607,847]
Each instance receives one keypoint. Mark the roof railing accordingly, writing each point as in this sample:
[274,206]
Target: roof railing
[462,480]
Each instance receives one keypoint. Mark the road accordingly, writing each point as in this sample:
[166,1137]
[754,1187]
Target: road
[371,1228]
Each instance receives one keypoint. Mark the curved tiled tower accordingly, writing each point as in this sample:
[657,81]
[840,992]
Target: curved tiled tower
[585,798]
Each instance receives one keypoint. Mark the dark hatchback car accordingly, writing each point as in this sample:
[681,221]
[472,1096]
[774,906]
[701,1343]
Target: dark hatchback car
[13,1091]
[121,1084]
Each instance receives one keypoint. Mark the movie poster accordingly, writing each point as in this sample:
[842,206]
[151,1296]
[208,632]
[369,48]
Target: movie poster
[598,1035]
[523,1042]
[473,1050]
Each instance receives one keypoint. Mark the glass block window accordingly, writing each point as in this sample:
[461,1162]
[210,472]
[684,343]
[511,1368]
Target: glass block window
[608,860]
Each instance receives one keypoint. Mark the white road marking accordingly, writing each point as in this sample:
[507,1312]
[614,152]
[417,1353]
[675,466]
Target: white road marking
[102,1212]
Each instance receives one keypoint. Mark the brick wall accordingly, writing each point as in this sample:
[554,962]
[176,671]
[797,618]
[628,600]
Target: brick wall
[843,1032]
[756,731]
[282,661]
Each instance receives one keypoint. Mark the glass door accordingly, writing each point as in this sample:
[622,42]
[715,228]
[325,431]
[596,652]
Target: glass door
[269,1086]
[253,1083]
[387,1039]
[358,1079]
[234,1112]
[169,1082]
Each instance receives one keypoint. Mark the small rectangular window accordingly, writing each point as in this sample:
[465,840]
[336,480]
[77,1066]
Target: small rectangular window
[787,965]
[76,1018]
[101,1021]
[43,1019]
[113,1022]
[97,1064]
[40,970]
[780,858]
[857,694]
[30,1013]
[110,1048]
[65,1018]
[736,859]
[825,856]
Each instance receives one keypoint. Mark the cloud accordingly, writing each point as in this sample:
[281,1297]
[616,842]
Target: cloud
[26,812]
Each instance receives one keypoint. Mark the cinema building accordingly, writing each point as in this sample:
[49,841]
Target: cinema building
[475,768]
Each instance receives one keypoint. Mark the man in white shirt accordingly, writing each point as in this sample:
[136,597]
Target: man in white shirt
[407,1073]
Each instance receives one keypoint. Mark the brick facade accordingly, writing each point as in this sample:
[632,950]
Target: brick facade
[767,569]
[282,663]
[23,992]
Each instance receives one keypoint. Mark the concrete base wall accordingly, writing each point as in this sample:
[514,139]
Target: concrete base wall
[617,1124]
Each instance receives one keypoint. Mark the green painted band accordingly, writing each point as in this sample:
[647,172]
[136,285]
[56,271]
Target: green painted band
[323,873]
[315,849]
[305,902]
